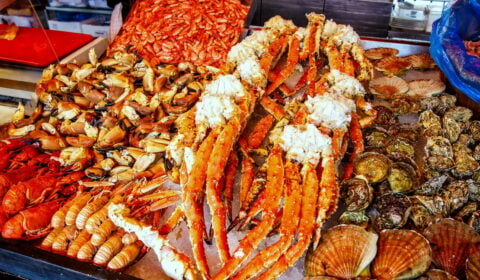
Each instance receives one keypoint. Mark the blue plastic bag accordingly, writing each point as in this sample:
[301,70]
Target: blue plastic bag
[459,22]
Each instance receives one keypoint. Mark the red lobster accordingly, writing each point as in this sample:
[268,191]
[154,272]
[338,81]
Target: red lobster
[36,190]
[31,223]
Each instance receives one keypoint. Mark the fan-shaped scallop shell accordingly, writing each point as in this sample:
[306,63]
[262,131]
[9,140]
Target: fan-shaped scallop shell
[378,53]
[392,65]
[402,254]
[473,265]
[425,88]
[437,274]
[451,242]
[345,251]
[388,86]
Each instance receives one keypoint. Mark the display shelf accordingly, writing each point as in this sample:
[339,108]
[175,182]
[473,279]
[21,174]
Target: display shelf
[79,10]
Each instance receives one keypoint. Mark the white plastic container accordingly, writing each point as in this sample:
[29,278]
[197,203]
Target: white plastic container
[95,28]
[102,4]
[69,26]
[435,13]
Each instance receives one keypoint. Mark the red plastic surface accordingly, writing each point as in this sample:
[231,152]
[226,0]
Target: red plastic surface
[31,46]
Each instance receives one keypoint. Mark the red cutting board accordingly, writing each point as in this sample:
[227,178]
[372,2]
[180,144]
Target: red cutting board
[31,46]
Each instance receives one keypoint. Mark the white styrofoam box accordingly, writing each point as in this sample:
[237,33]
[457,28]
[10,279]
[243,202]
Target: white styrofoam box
[95,28]
[70,26]
[98,4]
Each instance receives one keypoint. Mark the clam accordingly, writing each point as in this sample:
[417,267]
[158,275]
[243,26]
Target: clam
[451,241]
[437,274]
[388,86]
[473,265]
[373,166]
[379,53]
[402,177]
[358,194]
[338,256]
[393,211]
[425,88]
[402,254]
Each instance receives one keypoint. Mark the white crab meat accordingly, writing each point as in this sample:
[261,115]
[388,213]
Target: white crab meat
[329,29]
[304,143]
[345,35]
[251,72]
[239,53]
[175,149]
[226,85]
[214,111]
[345,85]
[332,111]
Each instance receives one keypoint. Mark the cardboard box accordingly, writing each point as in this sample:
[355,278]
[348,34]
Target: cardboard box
[69,26]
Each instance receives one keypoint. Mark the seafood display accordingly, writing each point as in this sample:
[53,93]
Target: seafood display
[246,150]
[200,32]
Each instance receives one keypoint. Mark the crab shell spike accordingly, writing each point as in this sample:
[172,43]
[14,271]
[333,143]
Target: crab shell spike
[338,256]
[402,254]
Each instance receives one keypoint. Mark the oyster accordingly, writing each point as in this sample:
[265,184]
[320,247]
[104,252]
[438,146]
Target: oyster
[440,163]
[428,119]
[399,147]
[420,216]
[388,86]
[450,242]
[473,265]
[434,130]
[385,116]
[430,103]
[373,166]
[358,193]
[447,101]
[402,178]
[466,139]
[406,105]
[474,221]
[433,186]
[476,153]
[467,212]
[455,195]
[473,189]
[425,88]
[438,145]
[379,53]
[465,165]
[393,211]
[359,218]
[338,256]
[474,130]
[455,121]
[377,138]
[402,254]
[434,204]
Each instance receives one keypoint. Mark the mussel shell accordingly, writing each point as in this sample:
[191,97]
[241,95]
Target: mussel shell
[402,254]
[473,265]
[358,194]
[373,166]
[402,178]
[400,148]
[437,274]
[451,241]
[338,256]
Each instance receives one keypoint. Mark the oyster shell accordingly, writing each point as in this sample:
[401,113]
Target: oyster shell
[473,190]
[476,153]
[433,186]
[402,254]
[455,195]
[438,145]
[430,103]
[428,118]
[466,212]
[473,265]
[402,178]
[338,256]
[447,101]
[451,241]
[425,88]
[393,211]
[434,130]
[455,121]
[420,216]
[359,218]
[388,86]
[377,138]
[474,130]
[465,165]
[399,147]
[474,221]
[434,204]
[373,166]
[440,163]
[385,116]
[358,194]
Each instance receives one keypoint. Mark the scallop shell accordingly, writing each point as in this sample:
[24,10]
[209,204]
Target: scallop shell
[473,265]
[392,65]
[421,61]
[425,88]
[402,254]
[338,256]
[451,238]
[379,53]
[388,87]
[437,274]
